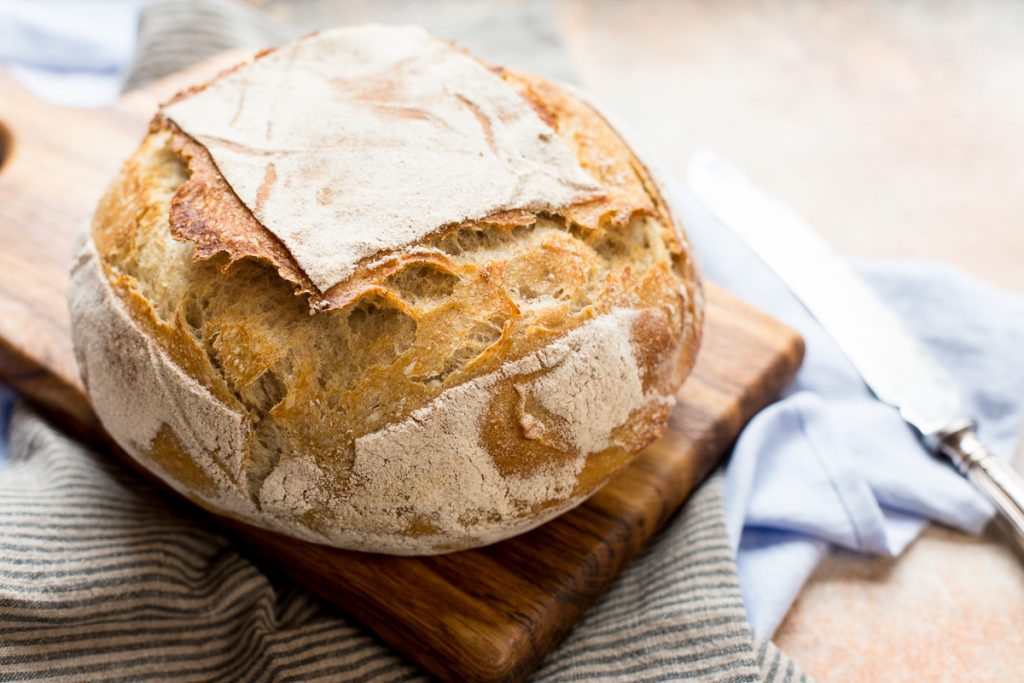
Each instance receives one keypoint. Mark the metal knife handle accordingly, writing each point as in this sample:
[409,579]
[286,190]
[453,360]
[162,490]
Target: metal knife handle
[997,480]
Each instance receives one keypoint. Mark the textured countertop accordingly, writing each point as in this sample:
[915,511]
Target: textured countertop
[897,128]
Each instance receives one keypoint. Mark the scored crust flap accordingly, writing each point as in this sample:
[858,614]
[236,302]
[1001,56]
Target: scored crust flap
[387,131]
[583,173]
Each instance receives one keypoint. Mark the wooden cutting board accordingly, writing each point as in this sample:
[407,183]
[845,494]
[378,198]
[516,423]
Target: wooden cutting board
[487,614]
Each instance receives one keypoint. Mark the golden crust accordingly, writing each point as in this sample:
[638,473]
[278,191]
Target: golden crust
[207,213]
[316,371]
[205,210]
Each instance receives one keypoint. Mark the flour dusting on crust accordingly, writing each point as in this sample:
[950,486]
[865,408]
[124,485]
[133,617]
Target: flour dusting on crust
[364,139]
[435,462]
[431,466]
[594,389]
[137,390]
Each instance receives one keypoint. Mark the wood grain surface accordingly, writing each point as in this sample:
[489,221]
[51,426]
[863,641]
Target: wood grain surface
[486,614]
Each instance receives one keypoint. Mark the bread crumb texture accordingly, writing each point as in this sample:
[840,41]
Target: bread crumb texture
[449,385]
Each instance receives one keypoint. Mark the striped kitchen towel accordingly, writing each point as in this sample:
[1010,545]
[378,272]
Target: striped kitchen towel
[103,578]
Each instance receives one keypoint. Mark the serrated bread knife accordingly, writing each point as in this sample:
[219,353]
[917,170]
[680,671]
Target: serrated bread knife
[892,363]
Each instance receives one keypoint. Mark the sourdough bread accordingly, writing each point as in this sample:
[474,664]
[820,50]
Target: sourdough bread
[368,291]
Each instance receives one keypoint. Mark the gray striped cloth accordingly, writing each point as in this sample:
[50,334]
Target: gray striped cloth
[104,578]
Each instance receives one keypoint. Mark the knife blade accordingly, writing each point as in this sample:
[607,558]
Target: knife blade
[891,361]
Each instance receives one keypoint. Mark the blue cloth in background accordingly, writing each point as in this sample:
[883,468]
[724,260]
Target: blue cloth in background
[826,465]
[829,464]
[72,52]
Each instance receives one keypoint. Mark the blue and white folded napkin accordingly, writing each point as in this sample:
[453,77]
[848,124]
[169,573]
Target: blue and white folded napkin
[831,465]
[827,464]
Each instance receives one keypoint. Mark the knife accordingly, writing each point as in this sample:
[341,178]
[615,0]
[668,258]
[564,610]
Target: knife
[892,363]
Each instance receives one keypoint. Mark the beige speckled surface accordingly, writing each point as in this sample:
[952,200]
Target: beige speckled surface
[949,609]
[898,129]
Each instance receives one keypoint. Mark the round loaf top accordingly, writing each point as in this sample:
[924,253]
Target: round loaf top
[369,291]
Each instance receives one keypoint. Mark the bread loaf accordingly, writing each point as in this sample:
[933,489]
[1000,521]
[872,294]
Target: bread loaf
[368,291]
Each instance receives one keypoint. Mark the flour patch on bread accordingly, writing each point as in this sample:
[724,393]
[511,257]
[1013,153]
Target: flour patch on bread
[360,140]
[137,390]
[293,488]
[435,461]
[595,388]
